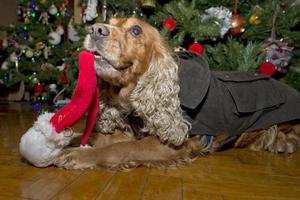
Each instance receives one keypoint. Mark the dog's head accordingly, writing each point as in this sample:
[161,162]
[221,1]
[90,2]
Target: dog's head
[123,49]
[133,58]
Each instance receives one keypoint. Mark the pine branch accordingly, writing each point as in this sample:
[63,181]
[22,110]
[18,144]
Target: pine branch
[234,56]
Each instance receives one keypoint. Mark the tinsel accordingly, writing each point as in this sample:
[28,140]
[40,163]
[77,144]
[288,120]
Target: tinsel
[223,18]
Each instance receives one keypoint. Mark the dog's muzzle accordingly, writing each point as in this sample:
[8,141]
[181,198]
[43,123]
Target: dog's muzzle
[98,31]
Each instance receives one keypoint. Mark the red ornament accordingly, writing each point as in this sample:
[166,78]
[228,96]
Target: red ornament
[267,68]
[38,88]
[170,23]
[197,48]
[237,23]
[64,79]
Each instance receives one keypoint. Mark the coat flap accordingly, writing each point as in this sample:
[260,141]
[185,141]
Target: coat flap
[251,92]
[194,79]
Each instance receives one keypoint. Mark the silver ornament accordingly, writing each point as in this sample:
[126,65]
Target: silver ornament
[54,38]
[52,10]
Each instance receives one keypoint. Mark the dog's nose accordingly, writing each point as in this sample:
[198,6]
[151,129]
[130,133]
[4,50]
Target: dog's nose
[99,30]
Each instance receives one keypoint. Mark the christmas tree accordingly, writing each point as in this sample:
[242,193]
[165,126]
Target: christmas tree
[257,36]
[42,48]
[260,36]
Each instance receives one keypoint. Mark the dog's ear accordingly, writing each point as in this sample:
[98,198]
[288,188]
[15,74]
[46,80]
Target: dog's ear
[156,101]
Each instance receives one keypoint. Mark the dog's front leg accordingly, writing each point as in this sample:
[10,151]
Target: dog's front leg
[104,140]
[77,158]
[148,151]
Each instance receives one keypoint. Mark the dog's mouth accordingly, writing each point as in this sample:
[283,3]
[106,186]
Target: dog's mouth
[105,63]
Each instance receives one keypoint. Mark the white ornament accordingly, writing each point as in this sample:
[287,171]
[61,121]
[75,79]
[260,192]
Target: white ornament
[28,12]
[54,38]
[63,9]
[53,87]
[47,52]
[52,10]
[72,33]
[104,10]
[61,67]
[4,42]
[35,80]
[44,17]
[13,57]
[4,65]
[223,16]
[60,30]
[90,12]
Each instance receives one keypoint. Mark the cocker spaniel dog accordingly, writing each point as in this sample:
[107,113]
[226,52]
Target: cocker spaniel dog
[158,108]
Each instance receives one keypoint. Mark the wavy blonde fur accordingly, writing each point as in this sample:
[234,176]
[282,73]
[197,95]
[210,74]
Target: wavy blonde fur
[155,98]
[154,77]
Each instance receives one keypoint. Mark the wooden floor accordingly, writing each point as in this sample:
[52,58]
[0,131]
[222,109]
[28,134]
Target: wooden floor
[231,174]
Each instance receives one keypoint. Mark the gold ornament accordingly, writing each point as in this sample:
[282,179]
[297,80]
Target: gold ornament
[40,45]
[255,17]
[27,20]
[23,47]
[30,39]
[148,4]
[29,53]
[237,23]
[37,52]
[43,2]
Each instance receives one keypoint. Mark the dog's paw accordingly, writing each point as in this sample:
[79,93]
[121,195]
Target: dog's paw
[76,158]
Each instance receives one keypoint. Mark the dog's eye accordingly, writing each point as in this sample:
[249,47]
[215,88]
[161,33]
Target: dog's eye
[136,30]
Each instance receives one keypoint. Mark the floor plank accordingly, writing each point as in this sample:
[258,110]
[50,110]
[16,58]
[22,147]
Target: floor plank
[87,186]
[163,188]
[126,185]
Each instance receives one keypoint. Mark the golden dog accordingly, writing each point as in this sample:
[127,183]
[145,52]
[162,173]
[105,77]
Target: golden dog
[141,122]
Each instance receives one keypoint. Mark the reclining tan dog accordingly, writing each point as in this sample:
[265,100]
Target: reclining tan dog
[159,109]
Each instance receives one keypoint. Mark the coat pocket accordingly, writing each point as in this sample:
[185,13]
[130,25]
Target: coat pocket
[251,92]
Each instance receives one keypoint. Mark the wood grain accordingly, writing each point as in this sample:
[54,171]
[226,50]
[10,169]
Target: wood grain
[228,175]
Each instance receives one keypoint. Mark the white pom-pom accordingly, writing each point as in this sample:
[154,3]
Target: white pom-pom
[41,144]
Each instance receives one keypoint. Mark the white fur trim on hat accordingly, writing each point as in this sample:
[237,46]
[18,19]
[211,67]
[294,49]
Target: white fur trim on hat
[41,144]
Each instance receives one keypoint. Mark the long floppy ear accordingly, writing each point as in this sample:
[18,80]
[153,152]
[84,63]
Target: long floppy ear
[155,99]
